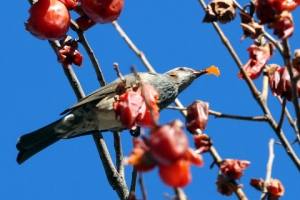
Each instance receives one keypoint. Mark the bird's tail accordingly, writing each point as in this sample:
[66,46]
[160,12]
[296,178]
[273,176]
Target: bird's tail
[31,143]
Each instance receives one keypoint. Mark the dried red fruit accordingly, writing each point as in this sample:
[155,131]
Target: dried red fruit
[103,11]
[283,5]
[264,11]
[168,143]
[257,183]
[280,82]
[145,118]
[70,4]
[193,157]
[48,20]
[259,55]
[167,148]
[250,27]
[233,168]
[220,10]
[68,55]
[139,157]
[202,143]
[84,22]
[127,108]
[131,108]
[275,188]
[176,175]
[197,116]
[225,186]
[283,25]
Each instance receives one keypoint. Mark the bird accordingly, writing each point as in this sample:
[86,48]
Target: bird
[95,111]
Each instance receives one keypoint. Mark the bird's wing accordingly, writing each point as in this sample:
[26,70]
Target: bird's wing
[104,91]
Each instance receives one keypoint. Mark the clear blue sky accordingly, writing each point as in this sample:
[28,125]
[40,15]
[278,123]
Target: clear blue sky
[34,91]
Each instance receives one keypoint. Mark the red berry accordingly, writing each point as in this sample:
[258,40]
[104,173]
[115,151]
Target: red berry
[49,20]
[168,143]
[176,175]
[103,11]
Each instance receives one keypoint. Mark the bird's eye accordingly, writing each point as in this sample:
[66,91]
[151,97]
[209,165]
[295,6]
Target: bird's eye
[181,69]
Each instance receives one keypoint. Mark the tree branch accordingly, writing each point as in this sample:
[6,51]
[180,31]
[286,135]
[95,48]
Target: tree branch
[139,53]
[222,115]
[89,51]
[269,167]
[257,96]
[143,188]
[287,62]
[114,178]
[119,153]
[291,121]
[133,180]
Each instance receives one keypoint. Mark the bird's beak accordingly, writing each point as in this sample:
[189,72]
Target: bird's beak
[200,72]
[211,70]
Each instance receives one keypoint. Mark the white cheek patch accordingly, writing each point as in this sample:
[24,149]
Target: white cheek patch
[65,122]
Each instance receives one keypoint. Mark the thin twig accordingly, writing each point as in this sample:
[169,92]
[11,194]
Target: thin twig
[133,180]
[282,114]
[238,5]
[269,167]
[222,115]
[119,153]
[143,188]
[89,51]
[114,178]
[287,62]
[275,42]
[180,195]
[139,53]
[119,74]
[291,121]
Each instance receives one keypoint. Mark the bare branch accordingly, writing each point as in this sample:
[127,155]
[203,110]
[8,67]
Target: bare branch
[180,195]
[287,62]
[269,167]
[89,51]
[119,153]
[114,178]
[291,121]
[119,74]
[275,42]
[143,188]
[282,114]
[139,53]
[222,115]
[133,180]
[238,6]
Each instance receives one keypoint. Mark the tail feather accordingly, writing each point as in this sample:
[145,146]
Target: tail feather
[34,142]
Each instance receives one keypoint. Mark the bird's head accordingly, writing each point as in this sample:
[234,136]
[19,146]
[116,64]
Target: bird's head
[184,76]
